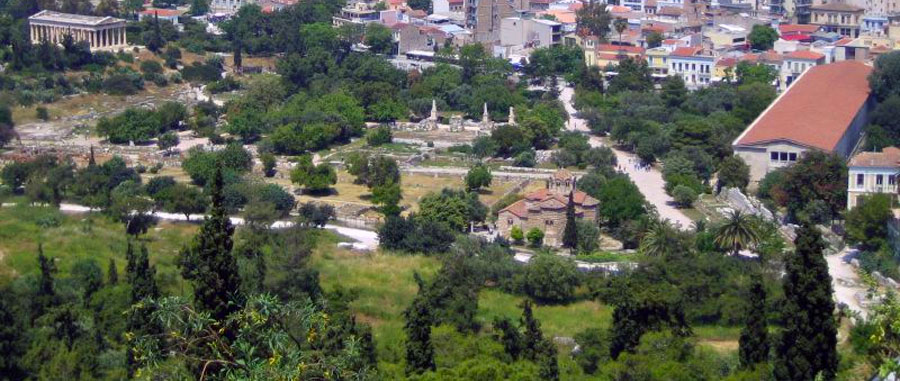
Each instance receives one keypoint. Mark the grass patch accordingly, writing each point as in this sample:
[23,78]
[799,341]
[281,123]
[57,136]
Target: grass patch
[384,286]
[605,256]
[84,236]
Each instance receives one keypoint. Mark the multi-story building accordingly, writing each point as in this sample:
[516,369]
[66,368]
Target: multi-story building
[795,64]
[545,209]
[604,55]
[516,31]
[484,18]
[658,60]
[358,13]
[726,37]
[804,118]
[841,18]
[691,65]
[872,172]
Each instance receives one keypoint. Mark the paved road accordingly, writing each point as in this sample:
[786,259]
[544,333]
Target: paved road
[649,181]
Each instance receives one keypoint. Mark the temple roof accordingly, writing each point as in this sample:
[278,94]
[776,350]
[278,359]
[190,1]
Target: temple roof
[69,18]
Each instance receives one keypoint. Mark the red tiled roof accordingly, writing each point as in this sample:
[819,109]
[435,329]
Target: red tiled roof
[888,157]
[619,48]
[796,37]
[843,41]
[804,55]
[519,208]
[576,6]
[686,51]
[162,12]
[880,49]
[669,11]
[770,56]
[802,115]
[797,29]
[727,62]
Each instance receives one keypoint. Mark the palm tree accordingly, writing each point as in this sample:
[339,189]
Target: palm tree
[737,233]
[661,240]
[620,24]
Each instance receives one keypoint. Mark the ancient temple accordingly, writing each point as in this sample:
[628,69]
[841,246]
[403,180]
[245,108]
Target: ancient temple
[99,32]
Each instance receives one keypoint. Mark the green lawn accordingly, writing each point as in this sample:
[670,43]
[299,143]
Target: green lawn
[79,237]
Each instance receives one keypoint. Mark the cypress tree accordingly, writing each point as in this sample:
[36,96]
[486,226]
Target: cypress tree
[142,278]
[419,348]
[570,233]
[537,348]
[112,274]
[533,336]
[808,342]
[143,282]
[754,341]
[510,336]
[209,264]
[46,294]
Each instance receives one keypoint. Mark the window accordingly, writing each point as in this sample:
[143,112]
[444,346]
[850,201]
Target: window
[860,179]
[879,179]
[548,222]
[773,156]
[792,156]
[783,156]
[509,221]
[892,180]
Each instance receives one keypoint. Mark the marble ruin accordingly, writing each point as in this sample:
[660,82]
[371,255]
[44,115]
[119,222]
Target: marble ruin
[100,32]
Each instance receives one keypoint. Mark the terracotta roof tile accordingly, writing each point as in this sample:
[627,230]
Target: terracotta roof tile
[797,28]
[804,116]
[670,11]
[686,51]
[804,55]
[888,157]
[619,48]
[519,208]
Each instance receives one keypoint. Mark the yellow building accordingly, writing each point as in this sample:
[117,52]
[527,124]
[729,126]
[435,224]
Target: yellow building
[657,60]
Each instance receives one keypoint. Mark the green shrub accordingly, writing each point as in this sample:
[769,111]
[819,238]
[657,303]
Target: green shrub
[684,196]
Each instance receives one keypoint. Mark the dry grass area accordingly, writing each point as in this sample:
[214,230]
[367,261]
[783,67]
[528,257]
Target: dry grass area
[82,104]
[415,186]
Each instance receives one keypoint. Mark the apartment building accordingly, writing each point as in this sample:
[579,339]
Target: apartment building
[795,64]
[872,172]
[692,65]
[484,18]
[842,18]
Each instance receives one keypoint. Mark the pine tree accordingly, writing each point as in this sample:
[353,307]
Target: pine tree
[112,273]
[754,341]
[570,233]
[209,262]
[808,342]
[419,349]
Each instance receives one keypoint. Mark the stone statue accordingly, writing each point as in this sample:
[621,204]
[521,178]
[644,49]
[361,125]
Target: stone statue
[512,115]
[485,117]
